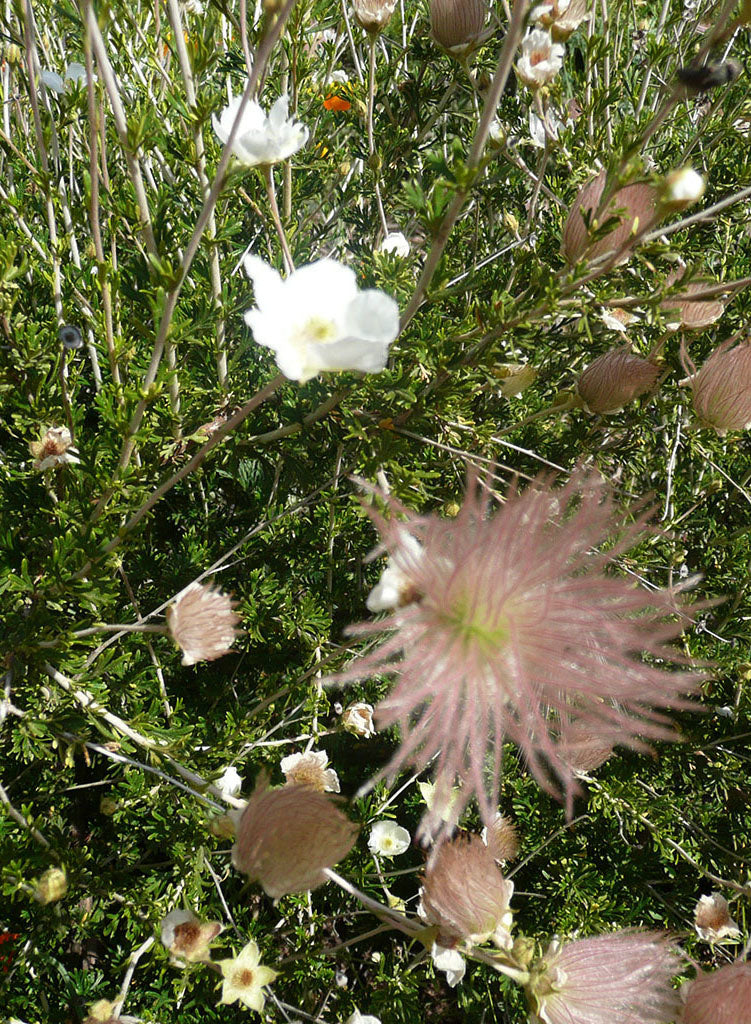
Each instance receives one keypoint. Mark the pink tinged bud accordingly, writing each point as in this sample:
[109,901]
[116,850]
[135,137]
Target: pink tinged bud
[203,623]
[373,15]
[634,206]
[722,997]
[286,837]
[623,978]
[721,390]
[457,24]
[615,379]
[465,894]
[689,314]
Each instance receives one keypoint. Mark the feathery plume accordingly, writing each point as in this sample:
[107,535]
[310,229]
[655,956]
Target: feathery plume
[722,997]
[614,379]
[634,206]
[203,623]
[721,389]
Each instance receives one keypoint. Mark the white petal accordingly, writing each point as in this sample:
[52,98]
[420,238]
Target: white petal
[53,81]
[267,282]
[76,73]
[279,111]
[451,962]
[373,315]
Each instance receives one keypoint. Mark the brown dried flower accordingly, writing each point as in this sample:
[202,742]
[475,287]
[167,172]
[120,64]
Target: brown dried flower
[465,894]
[614,379]
[501,838]
[457,25]
[202,623]
[635,206]
[287,836]
[373,15]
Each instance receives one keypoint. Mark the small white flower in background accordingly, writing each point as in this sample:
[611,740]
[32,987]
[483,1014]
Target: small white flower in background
[451,962]
[712,919]
[541,59]
[261,139]
[55,449]
[537,129]
[317,319]
[358,719]
[310,770]
[245,977]
[395,243]
[184,935]
[617,319]
[395,588]
[229,782]
[362,1018]
[388,839]
[75,73]
[203,623]
[683,187]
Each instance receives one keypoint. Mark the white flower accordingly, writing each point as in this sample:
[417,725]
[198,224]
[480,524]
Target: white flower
[541,59]
[261,139]
[75,73]
[395,243]
[55,449]
[230,782]
[451,962]
[359,1018]
[388,839]
[358,719]
[395,589]
[184,935]
[683,187]
[193,7]
[617,319]
[245,977]
[712,919]
[310,770]
[537,129]
[318,320]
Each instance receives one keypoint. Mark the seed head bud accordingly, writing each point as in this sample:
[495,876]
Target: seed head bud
[722,997]
[286,837]
[721,389]
[373,15]
[634,206]
[614,379]
[457,25]
[465,894]
[203,623]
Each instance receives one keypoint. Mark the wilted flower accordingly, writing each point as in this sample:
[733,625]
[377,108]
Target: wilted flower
[623,977]
[501,838]
[310,770]
[634,206]
[614,379]
[722,997]
[457,25]
[245,977]
[687,313]
[465,894]
[541,59]
[721,389]
[287,836]
[184,935]
[261,139]
[682,188]
[229,782]
[616,319]
[203,623]
[373,15]
[317,319]
[395,243]
[450,961]
[562,17]
[53,450]
[394,589]
[712,919]
[75,73]
[387,839]
[521,634]
[358,719]
[52,886]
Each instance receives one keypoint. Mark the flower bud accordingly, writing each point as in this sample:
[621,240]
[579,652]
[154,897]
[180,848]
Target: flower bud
[635,206]
[501,838]
[615,379]
[721,389]
[457,25]
[52,886]
[682,188]
[373,15]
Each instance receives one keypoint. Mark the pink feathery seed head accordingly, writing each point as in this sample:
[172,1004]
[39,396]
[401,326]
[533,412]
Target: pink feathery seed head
[634,206]
[523,633]
[623,978]
[721,389]
[722,997]
[203,623]
[687,312]
[614,379]
[286,837]
[465,894]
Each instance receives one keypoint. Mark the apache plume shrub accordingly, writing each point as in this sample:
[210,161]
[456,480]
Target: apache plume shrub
[521,634]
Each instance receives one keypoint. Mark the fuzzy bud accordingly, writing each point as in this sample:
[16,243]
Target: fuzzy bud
[203,623]
[614,379]
[457,25]
[722,997]
[373,15]
[52,886]
[721,389]
[685,312]
[634,206]
[501,838]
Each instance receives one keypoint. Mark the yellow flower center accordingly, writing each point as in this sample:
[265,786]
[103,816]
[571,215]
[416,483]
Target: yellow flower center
[317,330]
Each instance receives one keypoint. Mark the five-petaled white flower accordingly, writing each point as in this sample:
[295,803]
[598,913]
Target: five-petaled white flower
[244,978]
[75,73]
[261,139]
[541,59]
[310,770]
[317,319]
[388,839]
